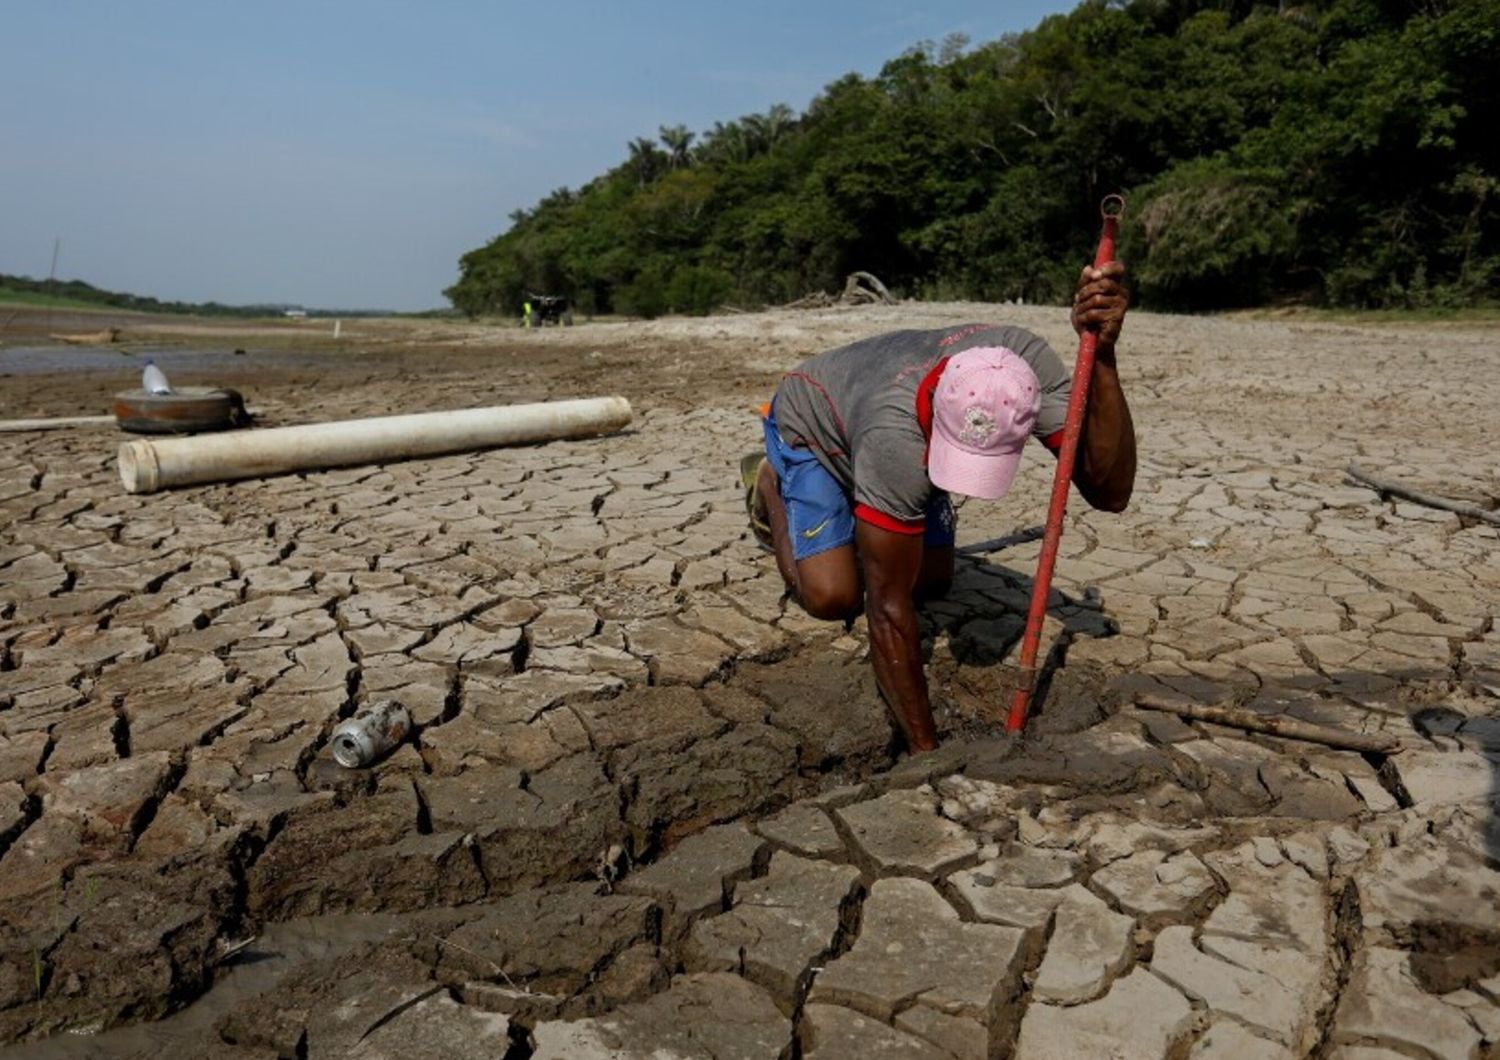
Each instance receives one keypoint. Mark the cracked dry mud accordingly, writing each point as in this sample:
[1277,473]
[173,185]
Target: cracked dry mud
[650,809]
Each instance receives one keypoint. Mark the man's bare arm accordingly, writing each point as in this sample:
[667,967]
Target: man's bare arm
[892,563]
[1105,471]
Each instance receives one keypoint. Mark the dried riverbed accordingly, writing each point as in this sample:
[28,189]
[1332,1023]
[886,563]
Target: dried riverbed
[652,806]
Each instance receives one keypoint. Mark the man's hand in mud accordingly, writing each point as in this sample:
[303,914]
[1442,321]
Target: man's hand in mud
[1100,302]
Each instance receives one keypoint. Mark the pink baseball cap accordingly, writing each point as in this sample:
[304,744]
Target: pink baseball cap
[983,410]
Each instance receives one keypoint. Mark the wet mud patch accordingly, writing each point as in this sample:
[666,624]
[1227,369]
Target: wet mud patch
[978,695]
[489,846]
[828,701]
[1448,957]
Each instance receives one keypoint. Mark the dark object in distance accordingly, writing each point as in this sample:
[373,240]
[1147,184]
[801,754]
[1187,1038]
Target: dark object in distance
[551,309]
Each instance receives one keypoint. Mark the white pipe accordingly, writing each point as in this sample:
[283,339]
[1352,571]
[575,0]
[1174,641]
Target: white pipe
[55,423]
[147,466]
[58,422]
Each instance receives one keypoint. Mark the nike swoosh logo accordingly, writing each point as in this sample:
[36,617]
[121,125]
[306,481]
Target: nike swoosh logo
[815,531]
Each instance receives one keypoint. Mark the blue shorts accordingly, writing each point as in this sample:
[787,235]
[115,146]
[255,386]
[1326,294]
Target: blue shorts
[819,514]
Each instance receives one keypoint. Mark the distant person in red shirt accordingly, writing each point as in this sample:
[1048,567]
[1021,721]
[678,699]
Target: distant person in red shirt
[864,443]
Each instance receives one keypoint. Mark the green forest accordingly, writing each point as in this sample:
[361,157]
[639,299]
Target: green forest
[24,289]
[1332,153]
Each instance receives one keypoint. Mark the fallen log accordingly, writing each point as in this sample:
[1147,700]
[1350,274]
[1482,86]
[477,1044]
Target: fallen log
[860,288]
[816,300]
[1387,488]
[863,288]
[1273,725]
[88,338]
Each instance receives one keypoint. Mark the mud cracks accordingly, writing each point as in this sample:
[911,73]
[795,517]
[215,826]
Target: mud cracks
[650,806]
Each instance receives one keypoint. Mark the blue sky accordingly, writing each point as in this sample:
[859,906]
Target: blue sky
[344,154]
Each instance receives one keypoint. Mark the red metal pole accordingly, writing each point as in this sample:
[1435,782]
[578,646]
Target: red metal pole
[1111,208]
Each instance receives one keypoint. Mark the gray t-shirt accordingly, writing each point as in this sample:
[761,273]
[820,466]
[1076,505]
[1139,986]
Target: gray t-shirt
[856,408]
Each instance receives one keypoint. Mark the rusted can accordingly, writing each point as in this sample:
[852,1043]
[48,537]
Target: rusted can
[371,734]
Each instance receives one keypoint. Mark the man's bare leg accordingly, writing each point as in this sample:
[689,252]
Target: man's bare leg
[826,585]
[831,579]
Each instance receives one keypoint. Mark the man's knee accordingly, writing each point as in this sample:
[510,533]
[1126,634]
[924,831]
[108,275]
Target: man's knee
[833,602]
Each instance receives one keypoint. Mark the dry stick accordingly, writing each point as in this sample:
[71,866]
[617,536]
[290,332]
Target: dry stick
[1395,489]
[1273,725]
[996,544]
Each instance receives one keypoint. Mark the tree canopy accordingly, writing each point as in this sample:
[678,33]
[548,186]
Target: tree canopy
[24,288]
[1334,152]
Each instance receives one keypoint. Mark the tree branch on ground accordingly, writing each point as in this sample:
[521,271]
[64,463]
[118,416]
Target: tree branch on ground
[1388,488]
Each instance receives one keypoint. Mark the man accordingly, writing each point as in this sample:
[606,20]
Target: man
[864,443]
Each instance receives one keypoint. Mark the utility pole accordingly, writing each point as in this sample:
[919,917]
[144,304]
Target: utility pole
[52,279]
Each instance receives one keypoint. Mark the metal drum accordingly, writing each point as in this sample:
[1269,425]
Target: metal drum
[186,410]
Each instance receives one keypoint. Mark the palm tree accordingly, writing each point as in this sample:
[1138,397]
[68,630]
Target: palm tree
[677,141]
[646,159]
[780,120]
[764,131]
[725,143]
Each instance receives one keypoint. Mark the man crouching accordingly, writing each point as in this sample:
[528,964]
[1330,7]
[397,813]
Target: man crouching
[864,444]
